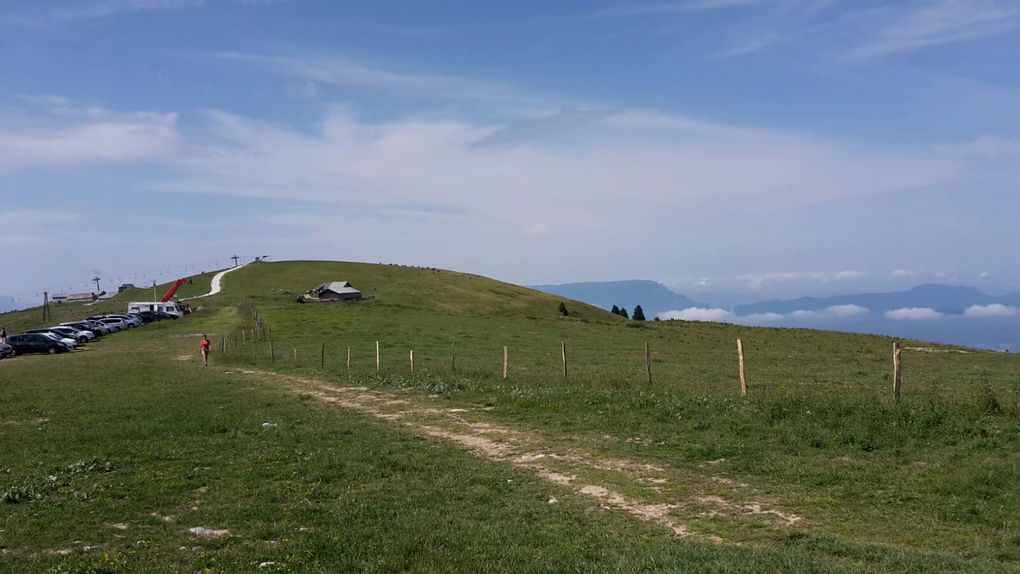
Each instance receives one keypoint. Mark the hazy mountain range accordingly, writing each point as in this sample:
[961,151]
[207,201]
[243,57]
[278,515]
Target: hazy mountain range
[7,304]
[943,313]
[653,297]
[947,299]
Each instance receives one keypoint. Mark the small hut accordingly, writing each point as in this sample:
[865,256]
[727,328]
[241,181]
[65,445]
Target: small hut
[335,291]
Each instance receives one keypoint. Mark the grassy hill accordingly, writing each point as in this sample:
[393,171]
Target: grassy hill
[817,469]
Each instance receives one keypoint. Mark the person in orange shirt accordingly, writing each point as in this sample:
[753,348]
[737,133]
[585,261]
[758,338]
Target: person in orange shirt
[204,347]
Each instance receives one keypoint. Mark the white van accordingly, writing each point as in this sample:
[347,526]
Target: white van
[166,307]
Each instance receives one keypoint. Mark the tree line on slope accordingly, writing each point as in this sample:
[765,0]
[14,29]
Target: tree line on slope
[639,313]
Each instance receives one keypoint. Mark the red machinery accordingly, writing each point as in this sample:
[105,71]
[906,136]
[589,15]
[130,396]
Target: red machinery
[173,289]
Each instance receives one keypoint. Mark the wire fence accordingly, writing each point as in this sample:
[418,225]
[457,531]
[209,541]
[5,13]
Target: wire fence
[731,366]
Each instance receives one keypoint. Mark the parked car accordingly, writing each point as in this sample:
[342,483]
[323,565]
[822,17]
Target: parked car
[98,327]
[80,335]
[6,351]
[152,316]
[37,343]
[90,326]
[145,318]
[51,333]
[114,323]
[129,322]
[132,320]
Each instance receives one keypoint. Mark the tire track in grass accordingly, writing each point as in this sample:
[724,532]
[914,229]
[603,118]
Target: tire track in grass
[583,473]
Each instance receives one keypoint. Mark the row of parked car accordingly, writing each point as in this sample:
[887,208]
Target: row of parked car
[67,336]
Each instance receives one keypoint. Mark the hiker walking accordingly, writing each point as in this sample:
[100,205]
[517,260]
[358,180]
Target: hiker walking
[204,347]
[3,334]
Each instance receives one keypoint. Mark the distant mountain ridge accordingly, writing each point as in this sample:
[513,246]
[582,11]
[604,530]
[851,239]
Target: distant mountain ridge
[7,304]
[950,299]
[653,297]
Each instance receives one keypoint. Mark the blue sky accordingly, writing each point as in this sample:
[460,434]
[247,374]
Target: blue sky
[755,146]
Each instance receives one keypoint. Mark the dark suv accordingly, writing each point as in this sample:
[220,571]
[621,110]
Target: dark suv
[36,343]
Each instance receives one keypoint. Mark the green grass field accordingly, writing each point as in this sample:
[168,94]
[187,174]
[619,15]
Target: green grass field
[113,453]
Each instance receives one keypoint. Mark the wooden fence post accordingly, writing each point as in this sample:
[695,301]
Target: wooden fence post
[377,356]
[295,355]
[648,362]
[506,362]
[244,338]
[563,353]
[322,357]
[897,381]
[412,362]
[223,345]
[740,361]
[348,358]
[453,358]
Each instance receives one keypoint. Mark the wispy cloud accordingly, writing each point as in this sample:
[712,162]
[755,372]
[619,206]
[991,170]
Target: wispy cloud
[799,316]
[752,43]
[913,314]
[993,310]
[984,147]
[699,314]
[927,24]
[48,101]
[570,184]
[104,8]
[29,218]
[856,32]
[904,273]
[846,310]
[659,8]
[545,126]
[760,280]
[69,135]
[339,71]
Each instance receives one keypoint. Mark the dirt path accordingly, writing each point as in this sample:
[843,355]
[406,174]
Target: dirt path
[672,498]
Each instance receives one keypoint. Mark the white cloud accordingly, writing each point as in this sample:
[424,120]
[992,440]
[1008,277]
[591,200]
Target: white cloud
[750,44]
[103,8]
[984,147]
[344,72]
[846,275]
[761,280]
[993,310]
[937,23]
[49,101]
[536,229]
[699,314]
[307,90]
[723,315]
[571,185]
[904,273]
[913,313]
[95,137]
[660,8]
[846,310]
[33,218]
[34,228]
